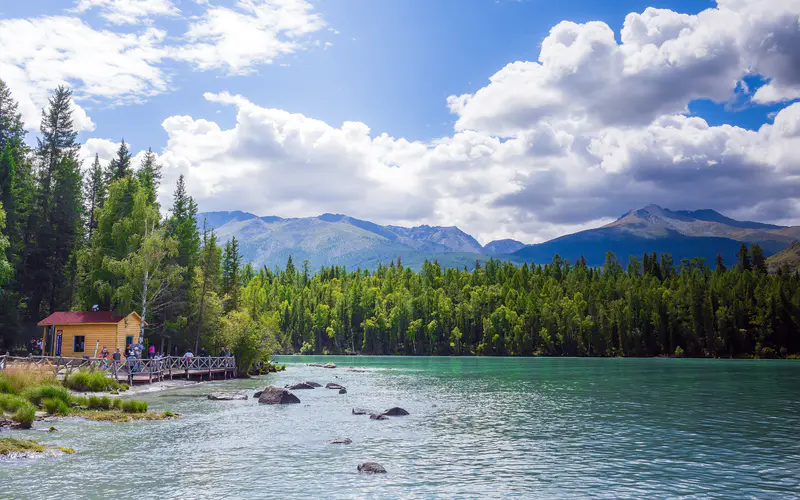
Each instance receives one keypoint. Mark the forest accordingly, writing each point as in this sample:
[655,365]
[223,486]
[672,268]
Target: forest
[75,236]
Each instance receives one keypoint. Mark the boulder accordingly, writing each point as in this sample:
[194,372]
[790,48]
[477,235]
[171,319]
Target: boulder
[378,416]
[329,365]
[227,396]
[342,391]
[396,412]
[341,441]
[257,394]
[301,385]
[372,468]
[276,396]
[313,384]
[331,385]
[362,411]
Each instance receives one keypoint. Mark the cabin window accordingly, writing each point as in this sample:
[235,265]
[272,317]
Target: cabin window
[128,340]
[78,343]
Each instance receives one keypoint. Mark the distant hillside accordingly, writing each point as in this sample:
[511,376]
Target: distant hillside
[335,239]
[789,256]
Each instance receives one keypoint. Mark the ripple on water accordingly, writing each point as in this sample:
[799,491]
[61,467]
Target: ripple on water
[479,427]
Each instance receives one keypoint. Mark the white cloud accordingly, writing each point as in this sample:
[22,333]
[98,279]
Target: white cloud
[665,60]
[42,53]
[254,32]
[128,11]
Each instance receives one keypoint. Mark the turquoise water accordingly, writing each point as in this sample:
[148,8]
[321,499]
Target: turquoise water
[479,428]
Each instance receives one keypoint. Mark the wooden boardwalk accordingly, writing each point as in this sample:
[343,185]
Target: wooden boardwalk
[131,370]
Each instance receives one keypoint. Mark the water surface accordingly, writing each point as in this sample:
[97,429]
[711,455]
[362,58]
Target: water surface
[479,428]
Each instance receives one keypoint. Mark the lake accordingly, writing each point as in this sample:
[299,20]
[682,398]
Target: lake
[479,428]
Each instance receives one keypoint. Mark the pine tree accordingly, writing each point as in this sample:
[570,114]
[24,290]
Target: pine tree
[149,175]
[744,259]
[720,264]
[209,269]
[758,259]
[231,274]
[120,167]
[54,225]
[94,194]
[12,130]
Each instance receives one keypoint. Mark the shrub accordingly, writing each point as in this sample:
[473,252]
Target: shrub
[14,380]
[307,348]
[124,387]
[134,406]
[116,404]
[22,411]
[99,403]
[55,406]
[80,401]
[37,394]
[90,381]
[679,352]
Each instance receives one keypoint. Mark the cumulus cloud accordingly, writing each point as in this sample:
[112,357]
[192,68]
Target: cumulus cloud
[253,32]
[128,11]
[112,68]
[40,54]
[665,60]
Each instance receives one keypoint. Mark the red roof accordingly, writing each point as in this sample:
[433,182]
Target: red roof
[78,317]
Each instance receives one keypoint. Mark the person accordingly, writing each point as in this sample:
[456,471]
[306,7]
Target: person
[104,353]
[203,352]
[151,351]
[128,351]
[40,348]
[223,352]
[117,355]
[188,354]
[32,345]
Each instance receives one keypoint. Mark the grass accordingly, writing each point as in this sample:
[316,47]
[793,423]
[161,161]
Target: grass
[23,391]
[90,381]
[14,445]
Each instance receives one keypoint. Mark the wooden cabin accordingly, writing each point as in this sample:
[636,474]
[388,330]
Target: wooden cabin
[84,333]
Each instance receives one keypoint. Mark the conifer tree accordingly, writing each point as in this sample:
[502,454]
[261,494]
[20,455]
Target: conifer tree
[744,258]
[120,167]
[759,262]
[94,194]
[149,175]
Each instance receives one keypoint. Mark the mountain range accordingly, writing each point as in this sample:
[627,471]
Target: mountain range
[333,239]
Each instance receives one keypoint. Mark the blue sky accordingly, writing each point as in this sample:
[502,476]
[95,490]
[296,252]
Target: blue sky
[391,66]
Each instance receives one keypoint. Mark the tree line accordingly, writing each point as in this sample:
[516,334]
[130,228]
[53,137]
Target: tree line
[77,236]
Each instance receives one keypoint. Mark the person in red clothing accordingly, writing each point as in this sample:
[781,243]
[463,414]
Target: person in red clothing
[151,351]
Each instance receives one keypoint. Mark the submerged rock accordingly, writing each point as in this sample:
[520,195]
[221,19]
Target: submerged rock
[276,396]
[312,384]
[378,416]
[342,391]
[355,370]
[301,385]
[362,411]
[331,385]
[396,412]
[320,365]
[372,468]
[341,441]
[226,396]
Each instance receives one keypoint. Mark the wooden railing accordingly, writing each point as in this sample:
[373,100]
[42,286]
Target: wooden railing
[130,368]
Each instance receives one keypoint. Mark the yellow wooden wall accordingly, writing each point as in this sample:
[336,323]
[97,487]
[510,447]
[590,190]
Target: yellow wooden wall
[106,333]
[128,326]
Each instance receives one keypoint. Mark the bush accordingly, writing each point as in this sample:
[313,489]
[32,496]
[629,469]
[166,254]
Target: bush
[134,406]
[37,394]
[124,387]
[307,348]
[22,411]
[679,352]
[90,381]
[55,407]
[80,401]
[14,380]
[97,403]
[116,404]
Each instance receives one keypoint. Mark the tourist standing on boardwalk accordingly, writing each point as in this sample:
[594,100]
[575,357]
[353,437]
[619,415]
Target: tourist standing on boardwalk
[151,351]
[117,355]
[188,354]
[203,353]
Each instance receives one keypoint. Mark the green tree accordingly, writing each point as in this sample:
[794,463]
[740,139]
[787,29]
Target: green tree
[120,167]
[149,175]
[94,194]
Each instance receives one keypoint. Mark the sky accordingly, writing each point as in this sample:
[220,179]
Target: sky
[523,119]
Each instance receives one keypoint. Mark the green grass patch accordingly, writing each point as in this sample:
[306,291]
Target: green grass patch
[38,394]
[55,407]
[20,409]
[134,406]
[14,445]
[90,381]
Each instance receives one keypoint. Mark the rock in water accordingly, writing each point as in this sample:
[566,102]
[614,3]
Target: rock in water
[301,385]
[396,412]
[342,391]
[341,441]
[378,416]
[257,394]
[362,411]
[276,396]
[331,385]
[226,396]
[329,365]
[312,384]
[372,468]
